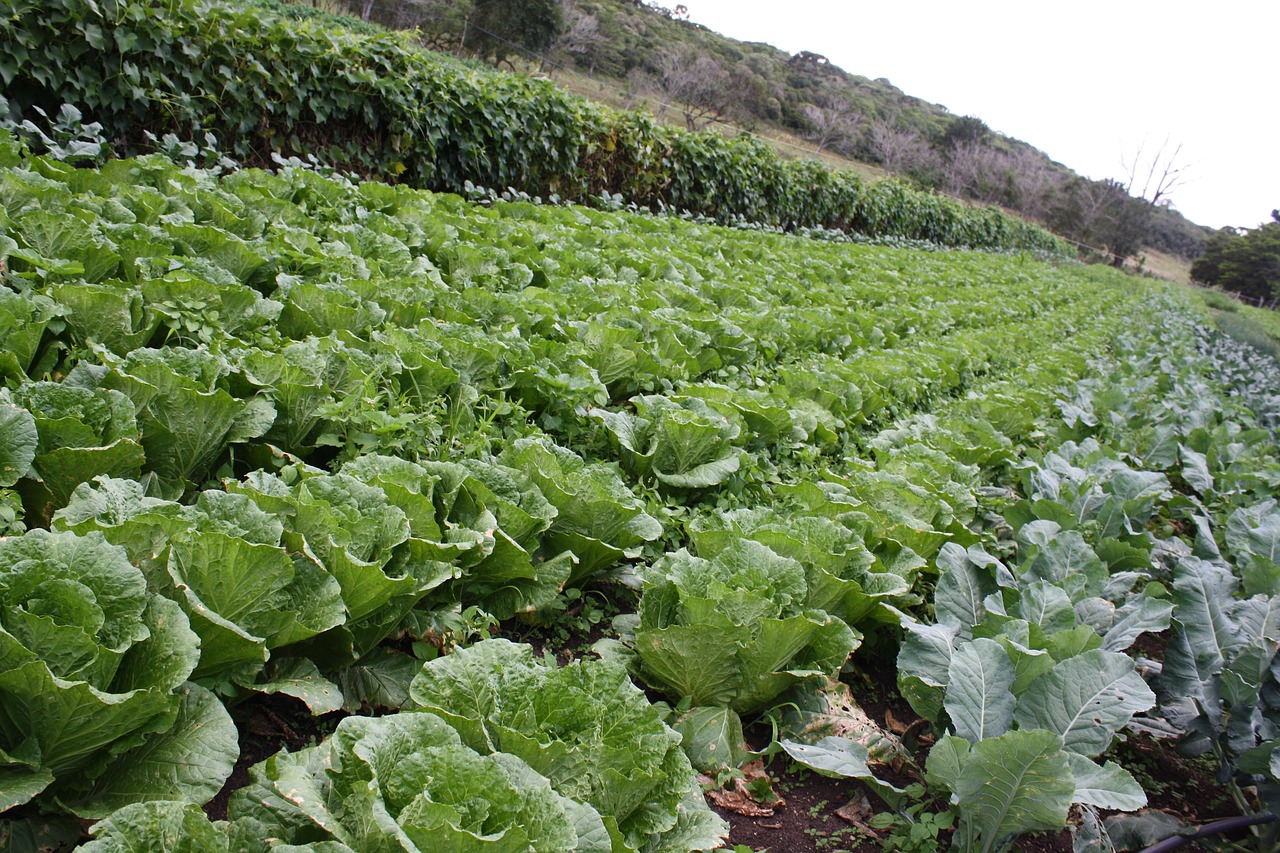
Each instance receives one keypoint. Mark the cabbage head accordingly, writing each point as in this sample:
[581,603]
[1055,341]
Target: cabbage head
[95,708]
[406,782]
[583,726]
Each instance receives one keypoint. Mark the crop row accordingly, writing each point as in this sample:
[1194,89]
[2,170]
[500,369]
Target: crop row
[263,430]
[377,103]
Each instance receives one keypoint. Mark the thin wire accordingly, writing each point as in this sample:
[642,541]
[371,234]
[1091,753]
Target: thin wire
[662,105]
[665,105]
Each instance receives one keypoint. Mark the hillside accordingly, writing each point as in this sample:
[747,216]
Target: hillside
[648,55]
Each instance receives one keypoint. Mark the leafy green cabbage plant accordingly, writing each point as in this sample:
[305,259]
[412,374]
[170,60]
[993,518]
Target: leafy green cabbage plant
[586,728]
[407,782]
[222,559]
[1026,669]
[734,631]
[680,445]
[84,433]
[95,707]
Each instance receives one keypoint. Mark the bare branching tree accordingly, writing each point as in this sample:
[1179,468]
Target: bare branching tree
[1037,184]
[977,170]
[900,150]
[579,38]
[1153,176]
[695,83]
[833,123]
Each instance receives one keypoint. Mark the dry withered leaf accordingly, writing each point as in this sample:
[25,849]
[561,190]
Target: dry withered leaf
[858,812]
[736,795]
[895,725]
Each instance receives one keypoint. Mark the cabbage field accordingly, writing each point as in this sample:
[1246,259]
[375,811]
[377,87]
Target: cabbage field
[295,437]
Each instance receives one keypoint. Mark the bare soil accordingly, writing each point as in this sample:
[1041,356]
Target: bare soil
[813,812]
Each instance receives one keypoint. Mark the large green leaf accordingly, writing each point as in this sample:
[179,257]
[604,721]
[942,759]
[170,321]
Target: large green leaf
[712,738]
[698,662]
[963,583]
[18,441]
[190,761]
[843,758]
[980,698]
[1108,786]
[1137,616]
[924,664]
[1201,595]
[299,678]
[158,827]
[1086,700]
[21,776]
[1016,783]
[1255,531]
[1063,558]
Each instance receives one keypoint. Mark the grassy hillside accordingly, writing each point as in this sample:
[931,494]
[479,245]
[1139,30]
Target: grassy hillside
[634,53]
[378,103]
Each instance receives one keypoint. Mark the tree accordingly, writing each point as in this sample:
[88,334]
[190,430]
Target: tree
[975,170]
[1247,263]
[965,129]
[1036,183]
[1159,174]
[501,28]
[1129,205]
[695,83]
[579,36]
[439,22]
[833,122]
[1124,221]
[901,150]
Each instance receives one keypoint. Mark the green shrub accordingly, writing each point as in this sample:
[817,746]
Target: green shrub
[275,81]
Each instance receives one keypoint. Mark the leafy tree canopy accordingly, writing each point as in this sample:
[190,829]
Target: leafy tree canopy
[503,27]
[1246,263]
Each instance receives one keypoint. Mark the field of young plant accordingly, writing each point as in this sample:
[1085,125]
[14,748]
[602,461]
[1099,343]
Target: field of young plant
[272,438]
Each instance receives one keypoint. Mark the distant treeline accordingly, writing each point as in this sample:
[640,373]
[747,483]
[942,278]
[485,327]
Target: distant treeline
[653,52]
[378,103]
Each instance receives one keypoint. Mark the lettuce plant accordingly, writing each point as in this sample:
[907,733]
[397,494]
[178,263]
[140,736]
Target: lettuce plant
[223,561]
[407,782]
[680,445]
[735,630]
[598,518]
[84,433]
[586,728]
[487,518]
[94,705]
[841,574]
[186,409]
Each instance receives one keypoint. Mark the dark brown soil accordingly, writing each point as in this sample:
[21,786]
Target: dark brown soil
[268,724]
[1186,788]
[807,820]
[815,813]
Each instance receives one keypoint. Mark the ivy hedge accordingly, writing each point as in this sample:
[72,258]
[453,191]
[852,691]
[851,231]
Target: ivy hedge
[377,103]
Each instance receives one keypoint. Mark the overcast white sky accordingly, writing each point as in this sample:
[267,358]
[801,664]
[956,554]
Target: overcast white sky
[1086,82]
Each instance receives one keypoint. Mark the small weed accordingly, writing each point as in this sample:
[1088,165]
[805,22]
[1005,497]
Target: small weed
[915,829]
[571,618]
[838,839]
